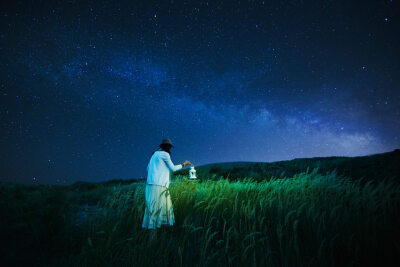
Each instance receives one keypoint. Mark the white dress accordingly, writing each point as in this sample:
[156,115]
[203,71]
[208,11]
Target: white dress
[158,210]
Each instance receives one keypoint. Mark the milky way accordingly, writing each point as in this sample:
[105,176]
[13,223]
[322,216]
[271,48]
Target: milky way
[90,88]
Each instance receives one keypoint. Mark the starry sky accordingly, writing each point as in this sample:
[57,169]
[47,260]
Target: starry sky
[88,89]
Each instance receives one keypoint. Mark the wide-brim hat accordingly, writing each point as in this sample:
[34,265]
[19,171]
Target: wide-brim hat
[167,141]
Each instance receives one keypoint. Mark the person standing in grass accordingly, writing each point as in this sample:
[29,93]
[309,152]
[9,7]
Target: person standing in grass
[159,209]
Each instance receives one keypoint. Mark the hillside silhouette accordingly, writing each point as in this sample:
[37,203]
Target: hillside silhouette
[369,168]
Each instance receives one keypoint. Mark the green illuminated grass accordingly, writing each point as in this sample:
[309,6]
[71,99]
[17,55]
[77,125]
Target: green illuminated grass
[310,219]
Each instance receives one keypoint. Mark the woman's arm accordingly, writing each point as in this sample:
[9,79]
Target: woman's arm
[167,159]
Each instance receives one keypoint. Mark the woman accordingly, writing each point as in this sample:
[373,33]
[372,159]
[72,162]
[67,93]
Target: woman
[158,201]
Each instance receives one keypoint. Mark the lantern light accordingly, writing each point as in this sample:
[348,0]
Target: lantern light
[192,173]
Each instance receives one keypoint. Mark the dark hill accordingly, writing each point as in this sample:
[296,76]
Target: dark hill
[372,167]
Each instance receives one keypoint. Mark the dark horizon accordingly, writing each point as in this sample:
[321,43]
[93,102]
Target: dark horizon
[212,163]
[89,90]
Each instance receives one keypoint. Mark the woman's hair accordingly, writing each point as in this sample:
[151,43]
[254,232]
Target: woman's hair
[166,148]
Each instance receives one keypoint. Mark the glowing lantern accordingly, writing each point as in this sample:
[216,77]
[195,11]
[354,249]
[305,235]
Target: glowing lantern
[192,173]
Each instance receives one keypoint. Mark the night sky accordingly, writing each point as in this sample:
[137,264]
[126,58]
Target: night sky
[89,89]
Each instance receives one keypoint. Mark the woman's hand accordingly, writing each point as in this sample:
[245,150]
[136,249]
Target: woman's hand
[186,163]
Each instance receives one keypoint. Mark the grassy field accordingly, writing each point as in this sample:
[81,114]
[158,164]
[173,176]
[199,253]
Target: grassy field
[310,219]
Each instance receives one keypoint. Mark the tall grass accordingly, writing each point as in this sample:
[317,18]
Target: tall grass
[310,219]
